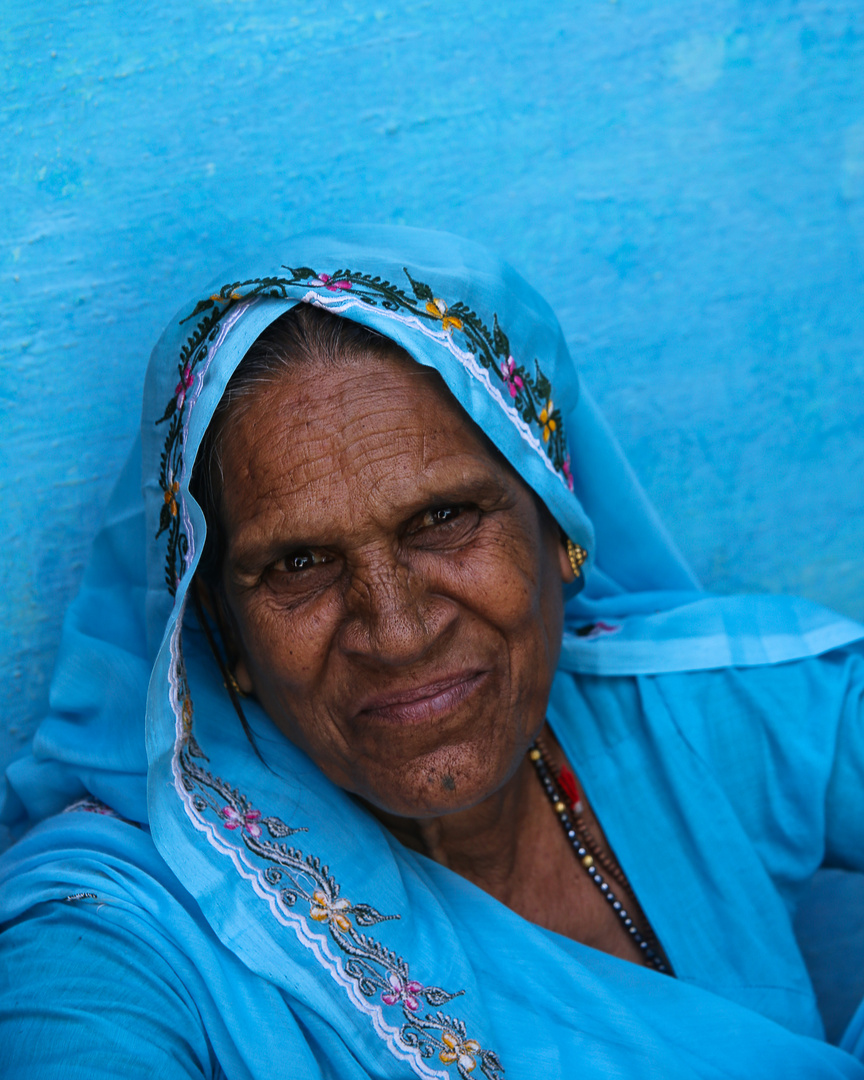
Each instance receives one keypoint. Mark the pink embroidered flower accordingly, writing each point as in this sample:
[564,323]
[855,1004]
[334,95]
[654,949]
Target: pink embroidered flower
[247,822]
[324,910]
[186,380]
[406,991]
[568,476]
[461,1051]
[327,281]
[508,371]
[439,309]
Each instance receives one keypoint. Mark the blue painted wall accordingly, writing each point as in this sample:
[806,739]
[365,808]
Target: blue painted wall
[684,180]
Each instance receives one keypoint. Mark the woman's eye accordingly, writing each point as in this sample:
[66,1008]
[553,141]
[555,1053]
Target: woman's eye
[445,526]
[443,515]
[298,561]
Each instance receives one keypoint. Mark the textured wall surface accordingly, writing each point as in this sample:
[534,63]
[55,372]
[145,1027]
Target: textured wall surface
[684,181]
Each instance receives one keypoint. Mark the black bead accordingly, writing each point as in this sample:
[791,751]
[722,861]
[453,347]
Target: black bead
[550,786]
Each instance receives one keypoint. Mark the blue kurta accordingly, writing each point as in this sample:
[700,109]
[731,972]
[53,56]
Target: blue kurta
[721,792]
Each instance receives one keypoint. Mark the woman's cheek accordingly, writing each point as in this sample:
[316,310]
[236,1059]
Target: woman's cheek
[285,645]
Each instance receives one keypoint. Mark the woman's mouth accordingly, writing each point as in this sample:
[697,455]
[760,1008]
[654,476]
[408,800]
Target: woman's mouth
[428,701]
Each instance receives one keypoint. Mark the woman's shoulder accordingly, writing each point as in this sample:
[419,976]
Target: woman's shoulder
[86,916]
[95,927]
[801,701]
[88,851]
[784,741]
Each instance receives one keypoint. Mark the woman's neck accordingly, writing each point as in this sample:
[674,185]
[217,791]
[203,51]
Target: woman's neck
[496,844]
[512,846]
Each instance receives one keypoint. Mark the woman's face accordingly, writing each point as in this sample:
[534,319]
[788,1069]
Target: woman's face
[393,587]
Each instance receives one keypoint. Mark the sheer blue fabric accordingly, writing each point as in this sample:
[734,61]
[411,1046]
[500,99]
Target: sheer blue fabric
[270,916]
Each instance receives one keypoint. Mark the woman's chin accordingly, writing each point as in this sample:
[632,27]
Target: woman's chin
[445,782]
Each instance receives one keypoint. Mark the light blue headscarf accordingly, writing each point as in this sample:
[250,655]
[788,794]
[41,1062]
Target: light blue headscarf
[411,967]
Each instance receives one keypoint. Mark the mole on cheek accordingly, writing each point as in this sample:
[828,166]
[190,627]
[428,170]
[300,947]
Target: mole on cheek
[448,783]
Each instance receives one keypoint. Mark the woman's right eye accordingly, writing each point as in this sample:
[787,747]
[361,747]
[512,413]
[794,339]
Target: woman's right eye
[297,561]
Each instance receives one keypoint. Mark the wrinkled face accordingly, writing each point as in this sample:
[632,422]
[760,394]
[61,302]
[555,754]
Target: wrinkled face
[393,588]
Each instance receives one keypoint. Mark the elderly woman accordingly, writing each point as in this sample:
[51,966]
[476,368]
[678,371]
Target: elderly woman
[450,769]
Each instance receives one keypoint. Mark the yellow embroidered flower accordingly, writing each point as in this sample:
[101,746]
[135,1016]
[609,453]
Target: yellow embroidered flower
[325,911]
[187,714]
[219,299]
[546,420]
[438,308]
[171,498]
[459,1050]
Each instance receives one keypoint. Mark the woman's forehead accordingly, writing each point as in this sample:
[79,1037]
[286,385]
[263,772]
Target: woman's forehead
[315,435]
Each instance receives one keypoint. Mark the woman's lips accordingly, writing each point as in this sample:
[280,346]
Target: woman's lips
[418,703]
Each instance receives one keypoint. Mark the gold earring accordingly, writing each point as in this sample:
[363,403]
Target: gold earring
[577,555]
[233,684]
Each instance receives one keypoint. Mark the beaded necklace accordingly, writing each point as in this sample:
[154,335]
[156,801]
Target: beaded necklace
[591,856]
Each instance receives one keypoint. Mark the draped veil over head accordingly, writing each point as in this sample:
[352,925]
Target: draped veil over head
[140,719]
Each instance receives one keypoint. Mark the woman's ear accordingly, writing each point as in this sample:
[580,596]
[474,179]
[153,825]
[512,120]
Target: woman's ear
[242,677]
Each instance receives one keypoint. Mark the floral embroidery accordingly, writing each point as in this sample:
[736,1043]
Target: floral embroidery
[186,380]
[400,990]
[547,419]
[186,716]
[512,377]
[531,394]
[248,821]
[375,970]
[460,1050]
[171,499]
[325,911]
[327,281]
[565,468]
[439,310]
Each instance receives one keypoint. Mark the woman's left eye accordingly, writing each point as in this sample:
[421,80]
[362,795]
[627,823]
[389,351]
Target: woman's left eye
[442,515]
[444,526]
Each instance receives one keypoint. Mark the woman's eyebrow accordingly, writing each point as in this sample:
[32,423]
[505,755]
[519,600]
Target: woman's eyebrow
[489,492]
[465,489]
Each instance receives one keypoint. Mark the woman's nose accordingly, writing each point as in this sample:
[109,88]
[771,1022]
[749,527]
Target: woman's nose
[390,616]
